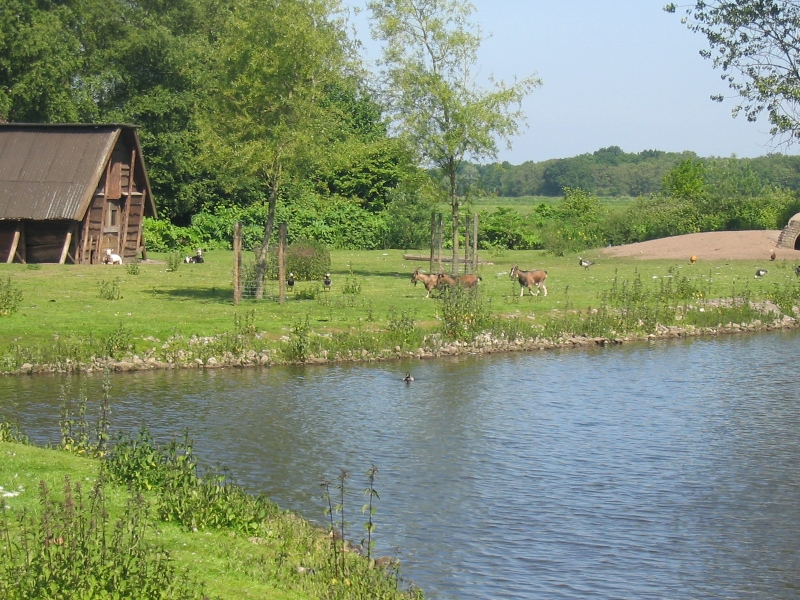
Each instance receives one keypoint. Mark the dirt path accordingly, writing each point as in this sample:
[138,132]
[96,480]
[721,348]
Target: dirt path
[730,245]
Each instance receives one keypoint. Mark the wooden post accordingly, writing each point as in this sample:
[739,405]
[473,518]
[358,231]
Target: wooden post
[237,264]
[475,243]
[123,221]
[65,247]
[439,241]
[433,239]
[282,263]
[466,243]
[14,243]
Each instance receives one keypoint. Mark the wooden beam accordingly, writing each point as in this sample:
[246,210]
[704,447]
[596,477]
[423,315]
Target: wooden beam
[124,220]
[65,247]
[237,263]
[282,229]
[14,244]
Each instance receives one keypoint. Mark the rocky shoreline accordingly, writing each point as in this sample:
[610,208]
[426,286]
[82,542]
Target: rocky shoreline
[483,344]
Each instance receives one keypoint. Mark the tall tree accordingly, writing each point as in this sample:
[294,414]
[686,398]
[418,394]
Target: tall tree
[756,44]
[429,60]
[267,119]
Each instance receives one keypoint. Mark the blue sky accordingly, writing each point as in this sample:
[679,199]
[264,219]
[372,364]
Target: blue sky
[616,73]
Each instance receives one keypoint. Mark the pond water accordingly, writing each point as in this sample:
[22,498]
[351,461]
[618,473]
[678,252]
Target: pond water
[667,470]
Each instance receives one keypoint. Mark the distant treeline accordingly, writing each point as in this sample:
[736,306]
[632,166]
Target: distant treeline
[613,172]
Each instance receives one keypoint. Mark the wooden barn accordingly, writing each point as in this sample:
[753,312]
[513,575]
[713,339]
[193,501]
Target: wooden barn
[69,192]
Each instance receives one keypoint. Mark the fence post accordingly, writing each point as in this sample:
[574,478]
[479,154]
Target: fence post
[237,264]
[282,263]
[433,237]
[466,243]
[439,241]
[475,243]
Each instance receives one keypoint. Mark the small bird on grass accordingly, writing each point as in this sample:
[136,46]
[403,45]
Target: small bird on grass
[797,270]
[760,273]
[326,283]
[290,281]
[585,263]
[772,255]
[693,259]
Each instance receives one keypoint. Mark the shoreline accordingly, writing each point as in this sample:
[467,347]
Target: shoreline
[482,344]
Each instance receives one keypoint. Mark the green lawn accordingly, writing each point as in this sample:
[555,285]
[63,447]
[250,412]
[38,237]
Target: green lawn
[63,301]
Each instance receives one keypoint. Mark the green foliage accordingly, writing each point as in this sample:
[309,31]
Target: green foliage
[402,330]
[133,268]
[755,44]
[118,342]
[174,260]
[10,297]
[464,314]
[10,432]
[110,290]
[308,259]
[71,548]
[298,347]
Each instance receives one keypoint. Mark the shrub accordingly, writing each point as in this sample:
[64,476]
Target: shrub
[110,290]
[10,297]
[307,259]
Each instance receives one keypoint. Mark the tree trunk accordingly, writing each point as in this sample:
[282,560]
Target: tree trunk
[261,258]
[454,205]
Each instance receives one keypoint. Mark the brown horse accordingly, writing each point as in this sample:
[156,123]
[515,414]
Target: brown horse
[529,279]
[429,281]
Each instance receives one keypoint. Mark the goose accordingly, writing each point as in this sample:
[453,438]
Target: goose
[290,281]
[585,263]
[326,283]
[408,378]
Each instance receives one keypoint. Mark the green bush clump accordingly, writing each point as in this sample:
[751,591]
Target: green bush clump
[307,259]
[10,297]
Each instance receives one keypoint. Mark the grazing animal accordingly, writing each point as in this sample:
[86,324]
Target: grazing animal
[469,280]
[529,279]
[290,281]
[760,273]
[693,259]
[429,281]
[772,255]
[111,258]
[585,263]
[326,283]
[408,378]
[196,259]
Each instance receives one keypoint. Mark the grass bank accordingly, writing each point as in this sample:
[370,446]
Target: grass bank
[142,523]
[80,317]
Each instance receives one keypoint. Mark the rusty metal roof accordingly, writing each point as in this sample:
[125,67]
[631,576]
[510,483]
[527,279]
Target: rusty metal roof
[52,171]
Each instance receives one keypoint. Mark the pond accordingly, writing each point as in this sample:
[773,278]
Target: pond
[666,470]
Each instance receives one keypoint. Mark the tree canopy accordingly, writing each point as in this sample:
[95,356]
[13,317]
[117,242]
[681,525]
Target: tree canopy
[756,44]
[432,91]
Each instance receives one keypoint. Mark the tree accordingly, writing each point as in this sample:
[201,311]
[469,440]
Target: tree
[268,118]
[757,46]
[437,105]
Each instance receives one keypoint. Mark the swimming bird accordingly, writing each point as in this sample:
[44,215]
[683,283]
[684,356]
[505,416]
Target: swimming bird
[326,283]
[290,281]
[408,378]
[772,255]
[760,273]
[585,263]
[693,259]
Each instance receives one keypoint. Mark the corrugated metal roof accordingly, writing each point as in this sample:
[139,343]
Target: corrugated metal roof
[51,171]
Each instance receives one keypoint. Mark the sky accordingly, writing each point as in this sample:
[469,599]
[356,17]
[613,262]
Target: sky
[615,73]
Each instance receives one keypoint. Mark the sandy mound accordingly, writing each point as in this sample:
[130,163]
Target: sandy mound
[728,245]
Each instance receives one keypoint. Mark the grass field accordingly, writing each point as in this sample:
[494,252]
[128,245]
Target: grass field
[60,302]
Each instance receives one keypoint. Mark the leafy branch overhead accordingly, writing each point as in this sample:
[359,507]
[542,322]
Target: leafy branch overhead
[756,45]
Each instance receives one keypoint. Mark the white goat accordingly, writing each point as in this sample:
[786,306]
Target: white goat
[111,258]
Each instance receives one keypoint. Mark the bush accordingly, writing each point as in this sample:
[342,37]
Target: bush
[307,259]
[10,298]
